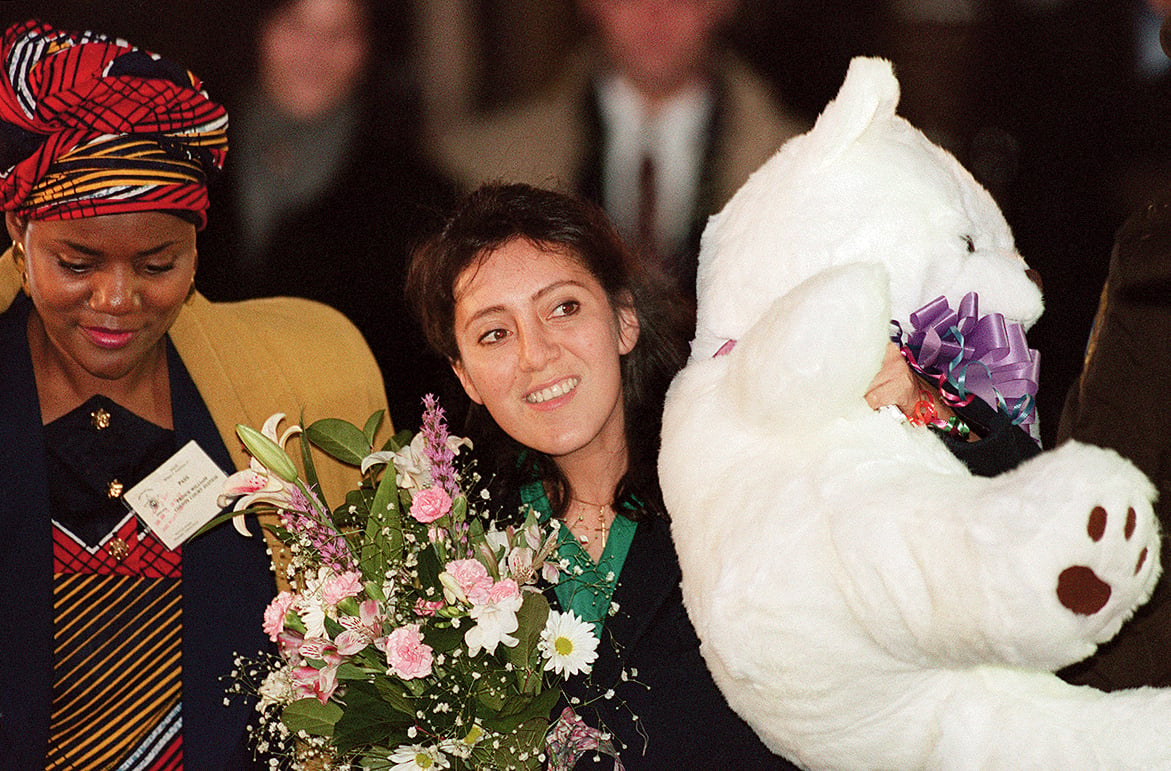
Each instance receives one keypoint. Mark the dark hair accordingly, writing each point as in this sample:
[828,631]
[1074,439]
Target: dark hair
[496,214]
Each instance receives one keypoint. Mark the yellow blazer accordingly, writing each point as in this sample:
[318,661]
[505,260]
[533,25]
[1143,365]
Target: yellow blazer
[255,358]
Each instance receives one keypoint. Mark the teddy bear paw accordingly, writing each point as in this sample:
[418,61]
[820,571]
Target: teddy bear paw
[1080,588]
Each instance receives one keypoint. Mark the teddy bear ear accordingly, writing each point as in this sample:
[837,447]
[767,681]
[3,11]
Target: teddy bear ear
[870,93]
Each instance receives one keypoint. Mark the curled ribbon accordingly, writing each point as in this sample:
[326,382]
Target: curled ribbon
[982,356]
[570,738]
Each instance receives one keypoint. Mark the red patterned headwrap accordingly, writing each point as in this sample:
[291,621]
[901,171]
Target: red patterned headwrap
[90,125]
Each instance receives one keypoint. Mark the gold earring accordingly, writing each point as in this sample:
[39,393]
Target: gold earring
[20,258]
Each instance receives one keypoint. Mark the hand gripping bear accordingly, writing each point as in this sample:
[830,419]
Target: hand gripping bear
[862,599]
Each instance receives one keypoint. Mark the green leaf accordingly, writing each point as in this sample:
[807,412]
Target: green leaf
[506,751]
[339,439]
[385,507]
[368,719]
[309,466]
[283,535]
[383,541]
[268,452]
[348,671]
[371,427]
[333,628]
[442,639]
[531,620]
[519,709]
[476,530]
[311,716]
[395,695]
[459,508]
[428,570]
[400,440]
[359,501]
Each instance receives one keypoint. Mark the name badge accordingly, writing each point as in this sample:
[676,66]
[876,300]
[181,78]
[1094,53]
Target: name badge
[178,497]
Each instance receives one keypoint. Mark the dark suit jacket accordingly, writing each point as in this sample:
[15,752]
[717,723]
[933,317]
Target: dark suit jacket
[227,581]
[686,721]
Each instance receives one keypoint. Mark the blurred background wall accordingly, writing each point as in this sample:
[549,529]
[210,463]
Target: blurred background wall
[1057,106]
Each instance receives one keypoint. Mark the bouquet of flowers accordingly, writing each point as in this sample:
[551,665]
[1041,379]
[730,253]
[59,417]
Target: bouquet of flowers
[414,636]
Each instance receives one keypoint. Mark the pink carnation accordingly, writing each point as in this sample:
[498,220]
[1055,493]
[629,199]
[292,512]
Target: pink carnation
[274,614]
[339,587]
[430,504]
[503,590]
[472,578]
[406,653]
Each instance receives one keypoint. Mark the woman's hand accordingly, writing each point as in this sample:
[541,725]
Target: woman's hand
[897,384]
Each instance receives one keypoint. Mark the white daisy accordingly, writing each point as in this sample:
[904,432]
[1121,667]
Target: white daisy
[568,644]
[416,757]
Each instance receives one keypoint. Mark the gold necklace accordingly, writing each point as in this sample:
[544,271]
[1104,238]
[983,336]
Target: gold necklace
[602,528]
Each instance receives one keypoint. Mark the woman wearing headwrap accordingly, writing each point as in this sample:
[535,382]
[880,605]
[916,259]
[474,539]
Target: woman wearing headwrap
[118,650]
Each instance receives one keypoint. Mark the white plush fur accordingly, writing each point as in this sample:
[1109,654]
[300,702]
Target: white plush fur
[863,601]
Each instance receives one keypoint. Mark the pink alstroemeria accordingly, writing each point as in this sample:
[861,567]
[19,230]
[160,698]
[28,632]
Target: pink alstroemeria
[289,642]
[319,683]
[495,619]
[427,608]
[257,484]
[361,630]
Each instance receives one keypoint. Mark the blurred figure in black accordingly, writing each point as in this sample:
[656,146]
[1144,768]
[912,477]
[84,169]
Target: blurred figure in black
[1120,401]
[327,192]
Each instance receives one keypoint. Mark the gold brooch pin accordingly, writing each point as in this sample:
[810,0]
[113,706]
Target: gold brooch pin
[118,549]
[99,419]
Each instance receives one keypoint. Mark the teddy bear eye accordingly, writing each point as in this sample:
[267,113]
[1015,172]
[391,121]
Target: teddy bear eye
[971,244]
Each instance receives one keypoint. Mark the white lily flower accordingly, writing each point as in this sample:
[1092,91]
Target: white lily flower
[257,483]
[412,466]
[379,458]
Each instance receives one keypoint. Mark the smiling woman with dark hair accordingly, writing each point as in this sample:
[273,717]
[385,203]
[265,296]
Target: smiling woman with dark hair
[116,644]
[566,347]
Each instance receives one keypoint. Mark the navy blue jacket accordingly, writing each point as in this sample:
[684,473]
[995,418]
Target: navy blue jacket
[227,581]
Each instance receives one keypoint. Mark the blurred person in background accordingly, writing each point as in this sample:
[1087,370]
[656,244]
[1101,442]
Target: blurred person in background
[652,116]
[1120,401]
[327,189]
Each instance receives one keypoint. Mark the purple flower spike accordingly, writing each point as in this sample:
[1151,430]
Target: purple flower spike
[435,446]
[303,519]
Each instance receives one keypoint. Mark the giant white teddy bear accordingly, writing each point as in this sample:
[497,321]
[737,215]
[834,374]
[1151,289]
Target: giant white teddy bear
[863,601]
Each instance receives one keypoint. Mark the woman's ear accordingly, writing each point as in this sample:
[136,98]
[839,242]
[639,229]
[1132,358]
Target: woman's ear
[16,226]
[466,381]
[628,329]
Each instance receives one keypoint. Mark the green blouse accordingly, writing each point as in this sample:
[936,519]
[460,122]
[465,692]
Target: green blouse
[585,587]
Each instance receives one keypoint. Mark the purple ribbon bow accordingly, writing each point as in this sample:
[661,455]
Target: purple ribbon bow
[981,355]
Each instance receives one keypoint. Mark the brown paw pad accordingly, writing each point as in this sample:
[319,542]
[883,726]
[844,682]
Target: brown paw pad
[1096,527]
[1080,590]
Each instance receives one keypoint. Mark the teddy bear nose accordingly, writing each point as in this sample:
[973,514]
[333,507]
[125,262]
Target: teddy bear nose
[1035,277]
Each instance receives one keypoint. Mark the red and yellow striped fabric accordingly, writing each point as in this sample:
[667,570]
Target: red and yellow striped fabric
[91,125]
